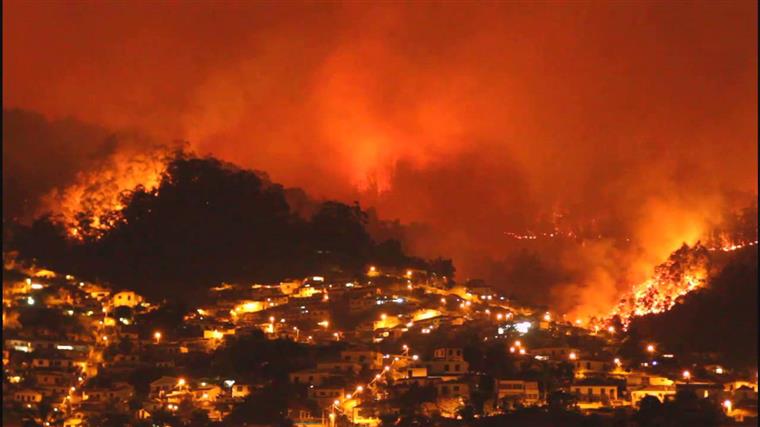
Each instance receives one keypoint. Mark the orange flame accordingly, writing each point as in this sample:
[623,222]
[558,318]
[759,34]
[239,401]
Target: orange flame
[94,203]
[685,270]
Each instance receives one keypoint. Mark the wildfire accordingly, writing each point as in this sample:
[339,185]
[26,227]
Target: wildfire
[683,272]
[730,247]
[94,203]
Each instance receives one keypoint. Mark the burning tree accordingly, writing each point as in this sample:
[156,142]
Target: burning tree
[684,271]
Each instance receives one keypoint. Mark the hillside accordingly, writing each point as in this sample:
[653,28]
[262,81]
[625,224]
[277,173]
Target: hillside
[206,223]
[721,318]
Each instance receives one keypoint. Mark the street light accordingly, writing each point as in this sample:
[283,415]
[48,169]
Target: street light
[650,348]
[157,336]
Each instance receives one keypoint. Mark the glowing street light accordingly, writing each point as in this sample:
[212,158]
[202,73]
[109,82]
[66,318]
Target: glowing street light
[181,382]
[573,356]
[686,375]
[650,348]
[157,336]
[728,405]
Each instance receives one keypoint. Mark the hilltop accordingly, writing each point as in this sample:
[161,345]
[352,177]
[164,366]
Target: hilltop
[206,223]
[721,318]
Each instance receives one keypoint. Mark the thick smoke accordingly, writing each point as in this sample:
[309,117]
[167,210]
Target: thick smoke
[630,122]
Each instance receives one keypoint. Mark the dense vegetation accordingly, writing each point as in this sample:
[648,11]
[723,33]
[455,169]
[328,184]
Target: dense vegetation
[721,319]
[210,222]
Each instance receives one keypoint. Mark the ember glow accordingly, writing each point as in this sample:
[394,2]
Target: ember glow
[99,193]
[683,272]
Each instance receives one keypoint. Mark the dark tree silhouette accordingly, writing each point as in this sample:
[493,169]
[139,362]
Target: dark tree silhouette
[210,222]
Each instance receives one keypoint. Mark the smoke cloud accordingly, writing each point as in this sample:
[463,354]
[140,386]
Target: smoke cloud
[631,124]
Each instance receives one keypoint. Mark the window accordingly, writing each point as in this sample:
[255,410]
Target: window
[588,365]
[456,368]
[446,368]
[456,388]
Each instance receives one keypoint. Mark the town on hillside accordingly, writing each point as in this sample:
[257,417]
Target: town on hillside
[383,349]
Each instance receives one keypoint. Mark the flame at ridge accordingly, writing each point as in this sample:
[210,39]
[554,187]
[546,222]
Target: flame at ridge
[685,271]
[93,205]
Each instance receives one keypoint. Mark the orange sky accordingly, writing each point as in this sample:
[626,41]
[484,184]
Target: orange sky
[473,118]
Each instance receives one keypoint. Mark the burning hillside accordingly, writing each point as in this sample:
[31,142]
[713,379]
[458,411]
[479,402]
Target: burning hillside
[93,204]
[684,271]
